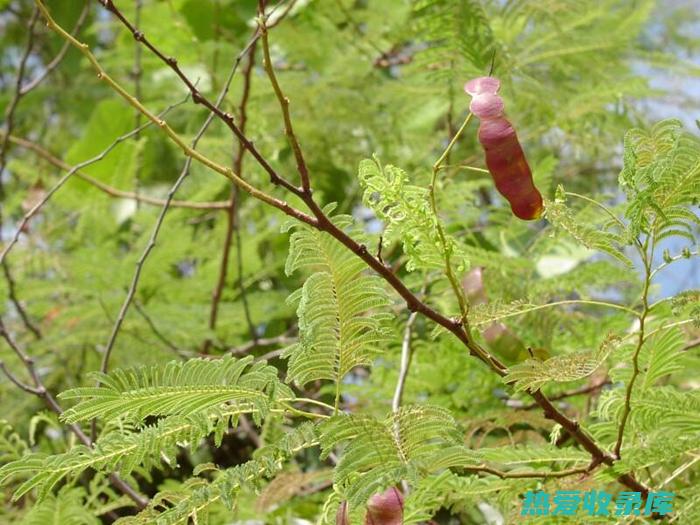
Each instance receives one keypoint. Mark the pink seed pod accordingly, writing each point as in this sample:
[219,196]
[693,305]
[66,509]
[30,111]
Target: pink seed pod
[505,158]
[385,508]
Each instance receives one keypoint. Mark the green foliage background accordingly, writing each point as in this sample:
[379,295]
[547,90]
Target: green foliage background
[375,90]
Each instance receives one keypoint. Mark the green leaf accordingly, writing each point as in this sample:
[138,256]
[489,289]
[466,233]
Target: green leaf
[341,308]
[178,388]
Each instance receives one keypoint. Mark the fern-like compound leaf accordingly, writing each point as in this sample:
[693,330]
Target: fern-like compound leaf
[178,388]
[341,322]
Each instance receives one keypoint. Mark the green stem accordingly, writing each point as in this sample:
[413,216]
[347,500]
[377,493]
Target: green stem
[446,249]
[558,303]
[303,413]
[311,402]
[447,254]
[445,153]
[646,259]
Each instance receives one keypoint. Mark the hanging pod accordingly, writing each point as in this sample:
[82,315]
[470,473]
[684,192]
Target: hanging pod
[505,158]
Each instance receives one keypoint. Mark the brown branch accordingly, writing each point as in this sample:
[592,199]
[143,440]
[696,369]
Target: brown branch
[18,382]
[12,293]
[570,393]
[110,190]
[284,104]
[39,389]
[455,326]
[583,439]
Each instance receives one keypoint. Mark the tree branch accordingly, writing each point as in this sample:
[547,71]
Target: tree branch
[283,102]
[12,293]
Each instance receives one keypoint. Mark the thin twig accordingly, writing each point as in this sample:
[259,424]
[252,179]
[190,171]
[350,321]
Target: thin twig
[457,289]
[137,74]
[151,324]
[17,95]
[272,354]
[527,474]
[571,393]
[198,98]
[524,311]
[147,250]
[646,259]
[179,141]
[16,381]
[12,293]
[261,341]
[156,229]
[405,362]
[110,190]
[406,356]
[673,259]
[232,216]
[691,344]
[4,144]
[35,209]
[284,104]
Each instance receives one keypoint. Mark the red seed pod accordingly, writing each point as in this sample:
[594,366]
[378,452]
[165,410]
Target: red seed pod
[385,508]
[505,158]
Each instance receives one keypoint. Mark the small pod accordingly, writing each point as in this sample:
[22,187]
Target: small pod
[385,508]
[505,158]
